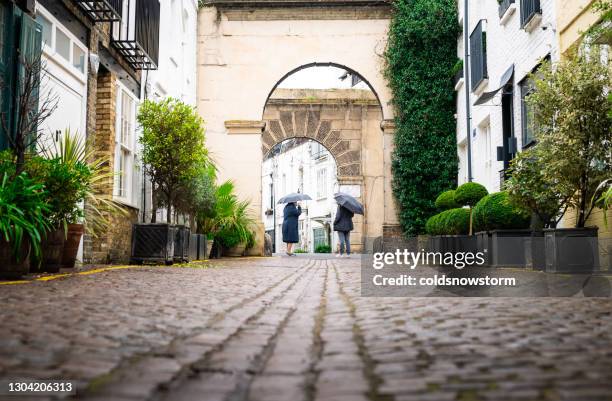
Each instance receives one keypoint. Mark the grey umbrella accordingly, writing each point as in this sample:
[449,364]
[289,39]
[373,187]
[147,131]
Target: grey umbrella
[349,202]
[293,198]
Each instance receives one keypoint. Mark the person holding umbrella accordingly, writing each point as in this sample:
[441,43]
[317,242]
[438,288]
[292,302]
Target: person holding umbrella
[291,214]
[343,223]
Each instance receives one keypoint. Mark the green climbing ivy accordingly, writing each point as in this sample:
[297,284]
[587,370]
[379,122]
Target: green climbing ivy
[420,58]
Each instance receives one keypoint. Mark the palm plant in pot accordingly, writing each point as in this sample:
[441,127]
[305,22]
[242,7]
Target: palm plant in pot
[79,183]
[22,218]
[66,186]
[229,223]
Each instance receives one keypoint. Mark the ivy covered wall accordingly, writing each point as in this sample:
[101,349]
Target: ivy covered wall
[420,56]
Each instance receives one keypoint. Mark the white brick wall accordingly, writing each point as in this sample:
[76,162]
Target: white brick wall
[506,45]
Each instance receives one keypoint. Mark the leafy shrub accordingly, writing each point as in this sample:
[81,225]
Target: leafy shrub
[450,222]
[446,200]
[66,186]
[420,62]
[300,251]
[323,249]
[22,210]
[496,212]
[470,193]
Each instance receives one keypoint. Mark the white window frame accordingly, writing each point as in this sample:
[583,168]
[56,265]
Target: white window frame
[322,183]
[123,184]
[51,50]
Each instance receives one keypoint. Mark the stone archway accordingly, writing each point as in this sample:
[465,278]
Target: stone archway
[245,49]
[347,123]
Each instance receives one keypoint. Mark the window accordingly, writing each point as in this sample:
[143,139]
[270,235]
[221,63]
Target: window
[478,51]
[124,144]
[322,183]
[47,30]
[319,237]
[58,41]
[62,44]
[78,58]
[529,9]
[528,136]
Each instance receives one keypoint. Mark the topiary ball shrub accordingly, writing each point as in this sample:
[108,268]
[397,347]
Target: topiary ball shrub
[497,212]
[470,193]
[450,222]
[446,200]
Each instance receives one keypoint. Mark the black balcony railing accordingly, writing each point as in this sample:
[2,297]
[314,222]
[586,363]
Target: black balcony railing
[102,10]
[504,5]
[136,37]
[478,51]
[529,9]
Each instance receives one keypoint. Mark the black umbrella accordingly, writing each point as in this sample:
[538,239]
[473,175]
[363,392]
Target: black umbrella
[293,198]
[349,202]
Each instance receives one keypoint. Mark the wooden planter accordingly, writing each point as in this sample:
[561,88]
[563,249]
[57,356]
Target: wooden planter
[12,267]
[71,245]
[52,247]
[571,250]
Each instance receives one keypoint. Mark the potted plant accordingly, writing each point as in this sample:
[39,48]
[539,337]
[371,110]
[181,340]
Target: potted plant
[501,228]
[449,231]
[66,185]
[78,178]
[572,124]
[468,195]
[528,188]
[176,160]
[229,223]
[22,219]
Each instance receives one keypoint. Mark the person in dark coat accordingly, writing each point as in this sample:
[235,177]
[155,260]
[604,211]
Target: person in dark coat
[291,236]
[343,224]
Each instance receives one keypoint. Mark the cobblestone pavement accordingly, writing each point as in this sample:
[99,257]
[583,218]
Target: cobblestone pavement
[292,329]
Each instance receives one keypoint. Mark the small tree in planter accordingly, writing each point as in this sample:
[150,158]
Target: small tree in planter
[469,194]
[573,129]
[172,147]
[528,188]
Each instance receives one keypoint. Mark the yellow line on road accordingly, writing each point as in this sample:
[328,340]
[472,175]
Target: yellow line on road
[89,272]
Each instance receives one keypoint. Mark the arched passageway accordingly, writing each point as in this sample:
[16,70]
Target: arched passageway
[246,53]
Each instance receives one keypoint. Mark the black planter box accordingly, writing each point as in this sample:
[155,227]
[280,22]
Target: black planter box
[571,250]
[202,247]
[535,252]
[152,243]
[193,247]
[181,244]
[434,243]
[508,248]
[485,246]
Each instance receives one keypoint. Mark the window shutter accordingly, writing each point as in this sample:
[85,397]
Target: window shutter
[7,47]
[30,49]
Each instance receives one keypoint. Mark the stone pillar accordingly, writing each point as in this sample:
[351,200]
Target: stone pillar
[251,177]
[388,128]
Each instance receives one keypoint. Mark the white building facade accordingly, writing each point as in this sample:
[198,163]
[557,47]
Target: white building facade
[304,166]
[508,40]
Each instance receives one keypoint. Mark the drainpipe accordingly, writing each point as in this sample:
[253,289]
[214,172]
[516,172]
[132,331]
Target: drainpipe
[466,73]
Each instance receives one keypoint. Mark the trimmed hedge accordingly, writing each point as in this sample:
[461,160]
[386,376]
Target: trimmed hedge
[497,212]
[420,62]
[450,222]
[470,193]
[446,200]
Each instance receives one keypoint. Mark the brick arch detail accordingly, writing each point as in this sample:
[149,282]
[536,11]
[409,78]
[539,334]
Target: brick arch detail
[307,124]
